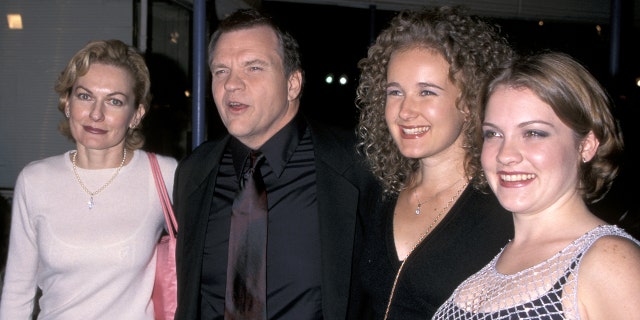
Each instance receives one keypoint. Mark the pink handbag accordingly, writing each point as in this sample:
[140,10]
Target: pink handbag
[165,290]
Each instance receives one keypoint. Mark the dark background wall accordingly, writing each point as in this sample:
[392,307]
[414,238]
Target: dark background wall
[334,38]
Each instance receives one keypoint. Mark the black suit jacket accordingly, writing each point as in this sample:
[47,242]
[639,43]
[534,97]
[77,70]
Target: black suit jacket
[345,193]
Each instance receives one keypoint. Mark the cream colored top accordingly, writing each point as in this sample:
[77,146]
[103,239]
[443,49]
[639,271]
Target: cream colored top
[94,263]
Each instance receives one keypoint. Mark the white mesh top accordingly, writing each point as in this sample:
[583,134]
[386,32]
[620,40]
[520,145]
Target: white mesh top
[544,291]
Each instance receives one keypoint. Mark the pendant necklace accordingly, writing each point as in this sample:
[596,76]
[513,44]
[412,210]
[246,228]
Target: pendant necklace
[90,203]
[420,203]
[422,237]
[415,193]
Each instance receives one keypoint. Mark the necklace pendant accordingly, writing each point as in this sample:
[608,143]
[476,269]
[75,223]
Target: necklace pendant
[90,203]
[418,210]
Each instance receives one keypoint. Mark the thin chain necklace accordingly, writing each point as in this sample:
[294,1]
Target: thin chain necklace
[415,193]
[420,203]
[424,235]
[91,194]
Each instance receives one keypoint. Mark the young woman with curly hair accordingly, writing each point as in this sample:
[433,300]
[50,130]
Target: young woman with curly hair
[419,97]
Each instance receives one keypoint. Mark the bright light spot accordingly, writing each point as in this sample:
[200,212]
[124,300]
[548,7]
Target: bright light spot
[638,81]
[541,23]
[187,93]
[329,78]
[14,21]
[343,79]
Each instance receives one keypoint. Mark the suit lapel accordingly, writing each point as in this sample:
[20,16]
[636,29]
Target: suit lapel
[337,210]
[199,195]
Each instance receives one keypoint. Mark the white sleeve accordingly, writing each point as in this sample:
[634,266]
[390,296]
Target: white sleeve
[19,289]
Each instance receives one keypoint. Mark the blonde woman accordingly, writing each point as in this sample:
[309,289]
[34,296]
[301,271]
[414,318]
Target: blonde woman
[85,223]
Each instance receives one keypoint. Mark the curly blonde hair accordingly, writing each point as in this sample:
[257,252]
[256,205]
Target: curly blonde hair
[114,53]
[472,47]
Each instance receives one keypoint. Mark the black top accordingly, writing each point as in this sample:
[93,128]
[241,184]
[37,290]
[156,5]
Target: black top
[467,238]
[293,247]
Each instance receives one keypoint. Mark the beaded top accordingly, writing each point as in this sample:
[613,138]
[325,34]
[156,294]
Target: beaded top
[547,290]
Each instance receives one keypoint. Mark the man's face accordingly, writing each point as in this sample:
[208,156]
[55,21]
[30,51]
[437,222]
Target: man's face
[252,94]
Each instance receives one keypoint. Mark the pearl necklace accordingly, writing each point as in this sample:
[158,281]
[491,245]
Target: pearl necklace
[90,203]
[424,235]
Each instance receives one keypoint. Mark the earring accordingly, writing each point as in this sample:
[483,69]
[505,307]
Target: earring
[66,113]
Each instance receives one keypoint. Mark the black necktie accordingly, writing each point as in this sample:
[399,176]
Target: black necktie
[246,270]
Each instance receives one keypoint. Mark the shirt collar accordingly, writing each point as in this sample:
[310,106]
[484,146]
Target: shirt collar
[277,150]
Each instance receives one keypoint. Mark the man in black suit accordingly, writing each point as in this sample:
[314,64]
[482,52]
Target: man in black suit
[319,191]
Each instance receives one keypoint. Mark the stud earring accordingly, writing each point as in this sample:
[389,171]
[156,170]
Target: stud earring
[66,113]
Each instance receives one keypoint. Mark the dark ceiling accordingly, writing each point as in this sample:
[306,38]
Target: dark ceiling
[594,11]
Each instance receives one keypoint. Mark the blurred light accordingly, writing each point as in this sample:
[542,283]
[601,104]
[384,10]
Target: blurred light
[599,29]
[14,21]
[187,93]
[541,23]
[329,78]
[343,79]
[174,37]
[638,82]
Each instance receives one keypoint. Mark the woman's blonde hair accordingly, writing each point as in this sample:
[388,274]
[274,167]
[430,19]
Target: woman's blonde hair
[114,53]
[471,46]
